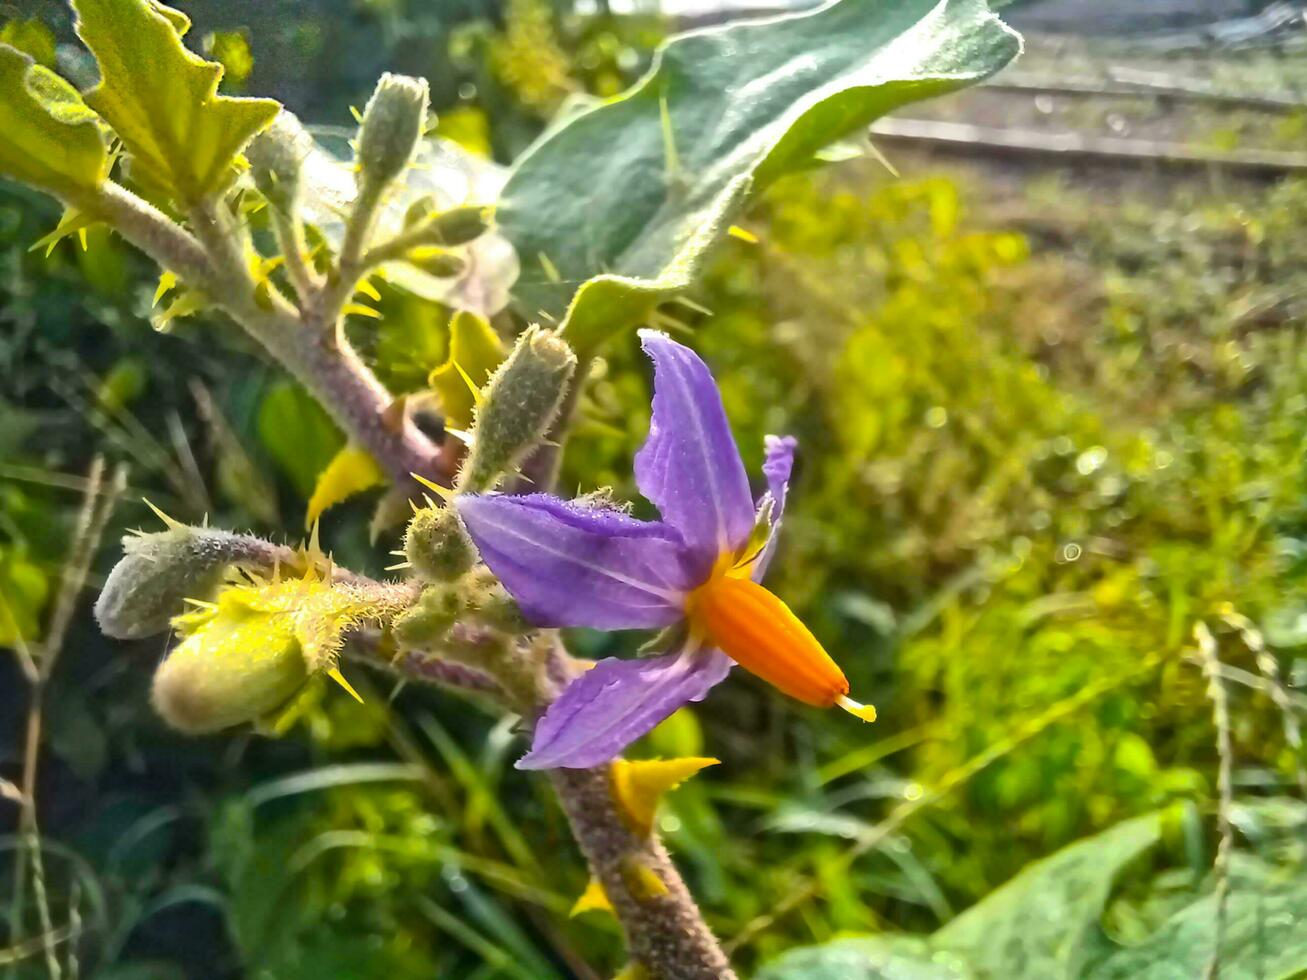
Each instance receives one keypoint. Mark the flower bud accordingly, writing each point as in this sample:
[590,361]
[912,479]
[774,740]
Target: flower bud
[436,262]
[236,665]
[158,572]
[489,601]
[458,226]
[393,121]
[430,618]
[437,546]
[520,402]
[276,156]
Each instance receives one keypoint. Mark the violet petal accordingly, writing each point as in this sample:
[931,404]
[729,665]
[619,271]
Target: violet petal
[776,467]
[615,702]
[690,466]
[571,565]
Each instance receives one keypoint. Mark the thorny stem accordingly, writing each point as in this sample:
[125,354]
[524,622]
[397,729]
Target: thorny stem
[666,932]
[330,370]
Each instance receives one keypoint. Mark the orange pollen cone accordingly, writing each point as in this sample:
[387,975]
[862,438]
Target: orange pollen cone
[760,633]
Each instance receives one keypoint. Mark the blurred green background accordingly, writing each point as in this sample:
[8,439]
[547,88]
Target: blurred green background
[1052,418]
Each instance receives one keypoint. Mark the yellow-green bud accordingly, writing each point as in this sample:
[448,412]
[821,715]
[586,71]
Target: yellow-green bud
[489,601]
[437,546]
[436,262]
[430,618]
[519,404]
[393,121]
[458,226]
[237,667]
[158,572]
[276,157]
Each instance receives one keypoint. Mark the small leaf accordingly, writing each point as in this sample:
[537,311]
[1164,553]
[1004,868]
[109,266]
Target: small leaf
[162,101]
[50,138]
[638,785]
[593,899]
[475,350]
[32,38]
[351,471]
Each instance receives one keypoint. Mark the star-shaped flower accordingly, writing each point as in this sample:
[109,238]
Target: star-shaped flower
[697,569]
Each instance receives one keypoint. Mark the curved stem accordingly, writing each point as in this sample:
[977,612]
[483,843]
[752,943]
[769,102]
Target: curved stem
[332,372]
[665,932]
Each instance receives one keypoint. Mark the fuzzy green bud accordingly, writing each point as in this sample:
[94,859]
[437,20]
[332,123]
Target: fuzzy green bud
[489,601]
[436,262]
[520,402]
[237,666]
[276,157]
[158,572]
[392,123]
[437,546]
[429,619]
[458,226]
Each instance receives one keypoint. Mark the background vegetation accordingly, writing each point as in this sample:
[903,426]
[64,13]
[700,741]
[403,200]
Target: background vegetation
[1052,427]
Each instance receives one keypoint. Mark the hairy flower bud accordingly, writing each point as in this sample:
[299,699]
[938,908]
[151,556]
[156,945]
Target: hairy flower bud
[235,667]
[437,546]
[458,226]
[520,402]
[158,572]
[430,618]
[392,123]
[435,262]
[276,156]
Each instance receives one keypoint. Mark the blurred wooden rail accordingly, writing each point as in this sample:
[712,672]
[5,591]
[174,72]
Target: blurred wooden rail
[1076,148]
[1131,83]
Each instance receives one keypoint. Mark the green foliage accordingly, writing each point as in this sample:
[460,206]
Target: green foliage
[612,212]
[1048,921]
[298,434]
[162,101]
[52,140]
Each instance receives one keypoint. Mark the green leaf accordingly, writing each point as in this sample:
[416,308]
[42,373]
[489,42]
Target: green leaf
[30,37]
[162,100]
[1045,921]
[298,434]
[48,137]
[627,197]
[1265,932]
[870,958]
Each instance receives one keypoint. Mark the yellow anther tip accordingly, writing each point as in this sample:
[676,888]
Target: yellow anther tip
[867,712]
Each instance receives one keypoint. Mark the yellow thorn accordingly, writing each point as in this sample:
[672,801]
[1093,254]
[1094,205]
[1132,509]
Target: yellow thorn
[638,785]
[81,237]
[443,492]
[743,234]
[370,291]
[867,712]
[339,678]
[314,547]
[172,524]
[358,309]
[550,270]
[642,881]
[358,116]
[472,386]
[593,899]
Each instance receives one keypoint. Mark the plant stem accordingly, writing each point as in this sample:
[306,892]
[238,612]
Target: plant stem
[331,371]
[665,933]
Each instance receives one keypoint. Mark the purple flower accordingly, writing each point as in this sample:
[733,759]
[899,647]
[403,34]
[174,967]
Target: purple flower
[569,564]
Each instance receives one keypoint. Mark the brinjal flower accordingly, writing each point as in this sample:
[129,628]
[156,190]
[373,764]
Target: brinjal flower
[696,572]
